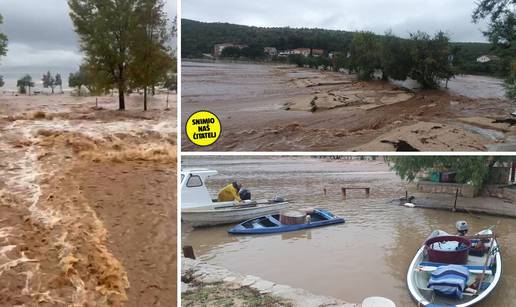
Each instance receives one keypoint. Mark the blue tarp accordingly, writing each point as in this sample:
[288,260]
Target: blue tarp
[450,280]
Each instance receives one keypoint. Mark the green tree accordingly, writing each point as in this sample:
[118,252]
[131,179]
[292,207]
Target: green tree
[474,169]
[106,29]
[78,79]
[502,34]
[339,60]
[170,84]
[24,83]
[231,52]
[431,59]
[59,82]
[49,81]
[396,61]
[151,56]
[365,54]
[3,48]
[3,40]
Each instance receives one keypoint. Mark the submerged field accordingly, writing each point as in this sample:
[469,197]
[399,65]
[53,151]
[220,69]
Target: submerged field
[284,108]
[87,201]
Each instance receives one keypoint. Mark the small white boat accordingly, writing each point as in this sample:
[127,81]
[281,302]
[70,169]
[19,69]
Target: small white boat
[199,209]
[481,270]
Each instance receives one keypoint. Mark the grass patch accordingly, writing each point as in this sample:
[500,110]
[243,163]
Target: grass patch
[219,294]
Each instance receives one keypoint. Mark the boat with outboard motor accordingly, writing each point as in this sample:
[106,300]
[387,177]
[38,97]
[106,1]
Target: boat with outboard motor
[455,270]
[199,209]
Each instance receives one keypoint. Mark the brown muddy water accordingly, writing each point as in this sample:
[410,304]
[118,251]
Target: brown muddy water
[367,256]
[87,201]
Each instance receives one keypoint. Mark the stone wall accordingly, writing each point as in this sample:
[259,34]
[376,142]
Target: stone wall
[465,190]
[501,192]
[207,273]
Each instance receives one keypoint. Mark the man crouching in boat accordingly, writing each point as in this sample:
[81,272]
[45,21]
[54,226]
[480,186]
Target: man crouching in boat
[230,192]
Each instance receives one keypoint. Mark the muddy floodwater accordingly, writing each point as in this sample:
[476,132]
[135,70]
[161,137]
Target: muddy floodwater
[272,107]
[87,201]
[367,256]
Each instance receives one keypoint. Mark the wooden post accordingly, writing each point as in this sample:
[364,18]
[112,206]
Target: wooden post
[324,191]
[486,263]
[455,203]
[188,252]
[406,195]
[367,190]
[343,192]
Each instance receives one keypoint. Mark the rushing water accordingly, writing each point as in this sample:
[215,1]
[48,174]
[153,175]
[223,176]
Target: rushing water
[368,255]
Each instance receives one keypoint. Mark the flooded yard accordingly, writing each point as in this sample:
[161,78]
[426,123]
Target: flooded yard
[366,256]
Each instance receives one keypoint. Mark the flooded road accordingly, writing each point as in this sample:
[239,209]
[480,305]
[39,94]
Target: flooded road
[368,255]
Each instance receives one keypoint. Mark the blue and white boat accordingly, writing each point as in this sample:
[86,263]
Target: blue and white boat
[271,223]
[434,284]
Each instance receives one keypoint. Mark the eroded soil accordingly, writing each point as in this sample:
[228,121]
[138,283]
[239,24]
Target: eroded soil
[271,108]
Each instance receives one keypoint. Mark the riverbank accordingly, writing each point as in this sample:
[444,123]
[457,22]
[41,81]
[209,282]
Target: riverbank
[87,201]
[478,205]
[298,109]
[204,284]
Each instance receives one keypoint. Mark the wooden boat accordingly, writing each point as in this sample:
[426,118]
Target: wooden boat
[484,270]
[199,209]
[272,223]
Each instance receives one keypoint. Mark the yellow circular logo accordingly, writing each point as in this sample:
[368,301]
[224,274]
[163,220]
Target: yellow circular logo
[203,128]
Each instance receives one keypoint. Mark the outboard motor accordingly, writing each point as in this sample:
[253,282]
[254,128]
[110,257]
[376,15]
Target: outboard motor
[244,194]
[278,199]
[462,227]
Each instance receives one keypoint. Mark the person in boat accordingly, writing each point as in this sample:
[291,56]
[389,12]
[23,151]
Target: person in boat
[230,192]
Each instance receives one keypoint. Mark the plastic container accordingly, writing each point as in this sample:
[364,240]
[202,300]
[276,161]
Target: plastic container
[448,177]
[435,176]
[457,256]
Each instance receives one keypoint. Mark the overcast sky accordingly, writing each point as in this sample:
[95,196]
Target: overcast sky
[402,16]
[41,37]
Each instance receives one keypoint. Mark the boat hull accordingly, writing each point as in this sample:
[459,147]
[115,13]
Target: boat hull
[213,216]
[413,279]
[241,229]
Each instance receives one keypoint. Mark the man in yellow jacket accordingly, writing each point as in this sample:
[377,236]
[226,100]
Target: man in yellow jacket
[230,192]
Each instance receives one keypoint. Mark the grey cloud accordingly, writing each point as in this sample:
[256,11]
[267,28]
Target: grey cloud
[41,37]
[402,16]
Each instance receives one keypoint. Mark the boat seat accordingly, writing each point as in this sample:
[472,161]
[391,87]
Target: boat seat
[472,268]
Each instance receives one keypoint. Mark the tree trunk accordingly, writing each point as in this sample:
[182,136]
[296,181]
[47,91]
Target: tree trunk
[121,88]
[121,98]
[52,90]
[145,98]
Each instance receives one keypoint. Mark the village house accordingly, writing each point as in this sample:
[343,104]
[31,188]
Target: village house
[302,51]
[218,48]
[487,58]
[317,52]
[270,51]
[285,53]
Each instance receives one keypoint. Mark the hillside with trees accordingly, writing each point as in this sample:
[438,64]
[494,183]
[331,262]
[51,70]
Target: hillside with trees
[198,38]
